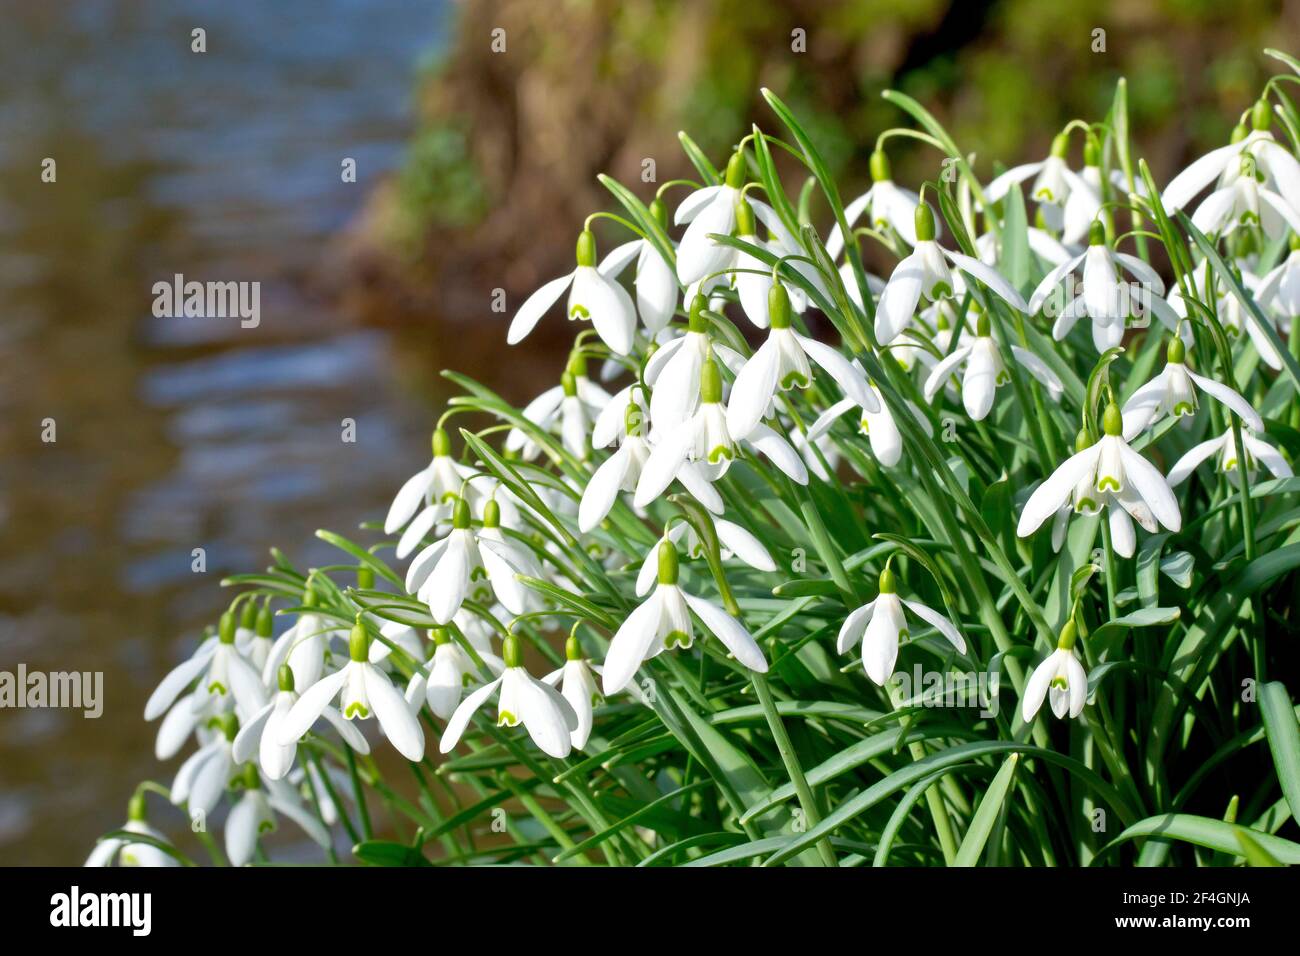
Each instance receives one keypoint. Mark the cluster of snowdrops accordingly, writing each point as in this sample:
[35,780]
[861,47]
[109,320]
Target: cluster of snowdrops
[760,465]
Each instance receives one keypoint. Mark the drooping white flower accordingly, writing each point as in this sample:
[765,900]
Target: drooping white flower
[442,574]
[254,814]
[1244,203]
[302,646]
[451,669]
[424,496]
[673,372]
[782,363]
[1225,448]
[619,472]
[656,280]
[733,541]
[1062,676]
[1053,180]
[1084,202]
[221,671]
[1117,478]
[879,427]
[569,408]
[117,851]
[259,739]
[709,211]
[545,714]
[885,204]
[1270,164]
[985,371]
[880,624]
[926,274]
[593,297]
[1106,299]
[1173,393]
[363,691]
[663,621]
[706,442]
[204,776]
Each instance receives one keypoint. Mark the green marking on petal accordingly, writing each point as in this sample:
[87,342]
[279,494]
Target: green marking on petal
[356,709]
[678,639]
[795,380]
[1108,483]
[720,453]
[507,719]
[1184,408]
[218,688]
[579,311]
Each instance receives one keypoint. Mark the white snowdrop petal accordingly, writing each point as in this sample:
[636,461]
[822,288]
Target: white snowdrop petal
[535,307]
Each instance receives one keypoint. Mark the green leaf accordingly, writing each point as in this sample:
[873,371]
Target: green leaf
[1255,854]
[699,160]
[1283,740]
[388,853]
[986,814]
[1207,832]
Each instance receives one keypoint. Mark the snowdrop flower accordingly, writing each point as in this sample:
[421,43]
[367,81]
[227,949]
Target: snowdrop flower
[655,282]
[363,690]
[573,406]
[1053,179]
[254,815]
[302,646]
[221,671]
[1109,302]
[451,669]
[880,624]
[442,573]
[577,685]
[1083,204]
[206,773]
[733,541]
[706,440]
[1279,292]
[879,427]
[259,739]
[673,371]
[1173,393]
[782,362]
[1246,202]
[711,210]
[925,273]
[545,714]
[425,495]
[1270,164]
[885,204]
[121,852]
[663,621]
[190,715]
[593,297]
[1041,243]
[619,472]
[985,371]
[1118,478]
[1062,675]
[1225,447]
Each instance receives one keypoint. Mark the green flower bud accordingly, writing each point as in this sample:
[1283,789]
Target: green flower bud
[441,443]
[1112,422]
[1069,634]
[880,171]
[1239,132]
[710,382]
[1081,441]
[1261,115]
[924,219]
[736,170]
[586,251]
[264,624]
[359,643]
[888,583]
[778,306]
[1177,351]
[511,652]
[744,219]
[697,322]
[668,569]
